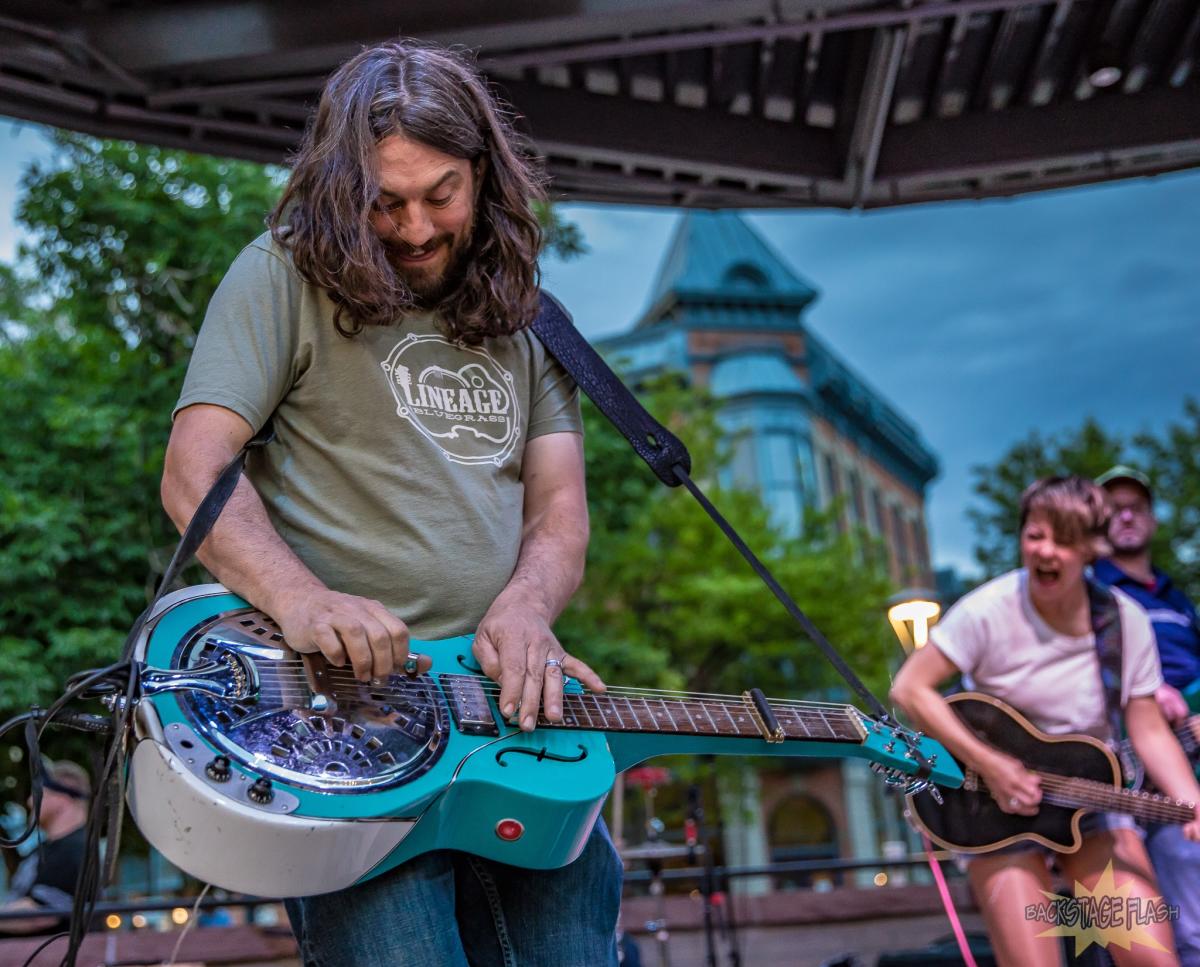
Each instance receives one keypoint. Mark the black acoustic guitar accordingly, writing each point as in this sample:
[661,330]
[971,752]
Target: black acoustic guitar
[1078,773]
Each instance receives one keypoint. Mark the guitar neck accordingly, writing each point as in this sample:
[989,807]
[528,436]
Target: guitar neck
[715,716]
[1188,735]
[1096,796]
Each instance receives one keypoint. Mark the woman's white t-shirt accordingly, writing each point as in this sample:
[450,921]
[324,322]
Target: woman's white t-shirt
[997,639]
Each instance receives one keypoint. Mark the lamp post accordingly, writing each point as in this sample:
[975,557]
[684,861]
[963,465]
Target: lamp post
[912,612]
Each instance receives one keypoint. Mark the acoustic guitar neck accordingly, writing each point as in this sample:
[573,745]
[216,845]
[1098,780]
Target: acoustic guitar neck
[1089,794]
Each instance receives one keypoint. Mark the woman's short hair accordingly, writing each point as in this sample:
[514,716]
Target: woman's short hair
[1077,510]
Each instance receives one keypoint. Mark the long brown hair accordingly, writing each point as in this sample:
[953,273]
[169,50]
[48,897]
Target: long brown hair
[436,97]
[1077,509]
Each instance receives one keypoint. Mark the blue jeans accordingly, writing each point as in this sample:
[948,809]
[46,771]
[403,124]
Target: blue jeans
[1177,865]
[451,909]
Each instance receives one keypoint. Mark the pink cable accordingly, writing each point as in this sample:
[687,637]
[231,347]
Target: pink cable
[963,947]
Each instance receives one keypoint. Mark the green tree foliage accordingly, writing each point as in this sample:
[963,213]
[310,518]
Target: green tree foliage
[1167,454]
[668,601]
[126,244]
[1088,450]
[1171,458]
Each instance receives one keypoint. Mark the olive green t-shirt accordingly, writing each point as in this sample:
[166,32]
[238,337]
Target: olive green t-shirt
[395,472]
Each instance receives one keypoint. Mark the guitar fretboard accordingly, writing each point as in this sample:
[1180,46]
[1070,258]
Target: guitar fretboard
[1075,793]
[1188,735]
[727,716]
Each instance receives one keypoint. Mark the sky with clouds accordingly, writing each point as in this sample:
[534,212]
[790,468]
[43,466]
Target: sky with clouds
[980,321]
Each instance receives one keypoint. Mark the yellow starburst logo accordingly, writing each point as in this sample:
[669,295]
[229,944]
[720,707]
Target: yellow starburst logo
[1102,916]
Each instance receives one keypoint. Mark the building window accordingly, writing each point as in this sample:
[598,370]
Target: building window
[746,275]
[833,483]
[900,539]
[782,486]
[920,547]
[808,472]
[800,828]
[878,520]
[833,487]
[745,470]
[857,500]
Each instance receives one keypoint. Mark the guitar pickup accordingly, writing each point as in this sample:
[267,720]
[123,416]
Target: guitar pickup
[469,705]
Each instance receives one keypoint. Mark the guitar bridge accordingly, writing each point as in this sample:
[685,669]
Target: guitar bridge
[228,676]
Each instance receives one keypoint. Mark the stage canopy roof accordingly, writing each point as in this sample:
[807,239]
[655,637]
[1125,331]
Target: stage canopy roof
[705,103]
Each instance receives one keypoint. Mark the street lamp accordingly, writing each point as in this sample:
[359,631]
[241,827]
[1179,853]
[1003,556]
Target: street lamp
[912,612]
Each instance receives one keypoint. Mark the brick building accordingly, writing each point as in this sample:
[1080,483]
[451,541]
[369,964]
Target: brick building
[806,432]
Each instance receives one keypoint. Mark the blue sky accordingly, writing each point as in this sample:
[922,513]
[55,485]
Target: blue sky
[980,321]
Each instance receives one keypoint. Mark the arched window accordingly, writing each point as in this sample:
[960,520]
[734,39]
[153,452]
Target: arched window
[745,275]
[801,828]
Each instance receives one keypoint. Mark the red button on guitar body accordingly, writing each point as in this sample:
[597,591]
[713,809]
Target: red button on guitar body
[510,830]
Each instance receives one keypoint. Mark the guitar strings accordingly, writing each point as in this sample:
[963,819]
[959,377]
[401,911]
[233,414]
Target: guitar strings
[685,701]
[616,691]
[347,675]
[812,717]
[1075,792]
[814,724]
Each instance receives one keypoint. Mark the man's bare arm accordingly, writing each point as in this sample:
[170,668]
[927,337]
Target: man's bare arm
[514,639]
[247,555]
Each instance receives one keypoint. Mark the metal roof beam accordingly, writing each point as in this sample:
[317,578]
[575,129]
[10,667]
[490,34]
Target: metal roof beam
[169,36]
[891,16]
[1001,140]
[872,115]
[579,123]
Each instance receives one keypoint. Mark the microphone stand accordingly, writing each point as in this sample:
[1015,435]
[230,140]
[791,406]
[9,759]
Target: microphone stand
[728,921]
[692,829]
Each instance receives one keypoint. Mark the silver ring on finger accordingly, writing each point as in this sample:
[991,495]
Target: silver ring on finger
[556,663]
[1014,802]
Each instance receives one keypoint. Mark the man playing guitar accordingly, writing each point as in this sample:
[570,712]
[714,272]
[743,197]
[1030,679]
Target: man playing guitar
[427,470]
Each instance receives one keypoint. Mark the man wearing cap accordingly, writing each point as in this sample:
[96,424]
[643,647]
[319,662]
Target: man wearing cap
[46,877]
[1176,860]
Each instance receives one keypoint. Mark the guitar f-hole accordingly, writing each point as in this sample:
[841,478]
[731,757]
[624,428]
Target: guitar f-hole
[541,754]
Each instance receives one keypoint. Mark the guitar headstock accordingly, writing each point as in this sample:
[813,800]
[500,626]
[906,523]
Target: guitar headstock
[893,750]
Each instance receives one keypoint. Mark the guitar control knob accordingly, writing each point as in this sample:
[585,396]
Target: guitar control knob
[261,792]
[510,830]
[219,770]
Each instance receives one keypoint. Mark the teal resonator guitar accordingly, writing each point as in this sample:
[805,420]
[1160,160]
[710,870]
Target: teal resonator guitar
[249,776]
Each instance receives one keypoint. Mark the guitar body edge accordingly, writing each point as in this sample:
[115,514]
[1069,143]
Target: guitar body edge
[1076,838]
[972,822]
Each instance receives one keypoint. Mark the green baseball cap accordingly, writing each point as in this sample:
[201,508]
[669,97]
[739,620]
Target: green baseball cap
[1121,472]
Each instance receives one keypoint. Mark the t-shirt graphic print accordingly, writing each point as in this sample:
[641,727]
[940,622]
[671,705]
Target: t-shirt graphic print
[470,411]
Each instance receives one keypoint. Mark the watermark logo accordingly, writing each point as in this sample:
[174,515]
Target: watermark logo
[1102,916]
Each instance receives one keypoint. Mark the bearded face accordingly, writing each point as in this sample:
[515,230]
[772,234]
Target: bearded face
[425,215]
[1132,524]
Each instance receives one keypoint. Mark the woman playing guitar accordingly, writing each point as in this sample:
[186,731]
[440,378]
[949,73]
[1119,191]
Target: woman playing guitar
[1027,638]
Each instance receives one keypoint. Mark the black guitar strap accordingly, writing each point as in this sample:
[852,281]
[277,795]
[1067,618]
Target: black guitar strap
[1106,625]
[669,459]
